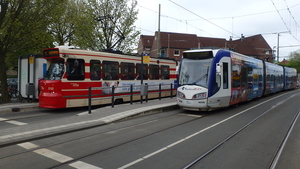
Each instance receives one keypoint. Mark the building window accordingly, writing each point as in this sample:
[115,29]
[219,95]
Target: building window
[176,52]
[163,53]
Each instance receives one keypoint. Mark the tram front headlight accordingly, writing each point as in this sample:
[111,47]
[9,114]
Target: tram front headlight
[199,96]
[180,94]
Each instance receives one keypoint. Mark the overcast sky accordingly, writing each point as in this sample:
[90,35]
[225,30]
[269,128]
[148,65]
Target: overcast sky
[222,19]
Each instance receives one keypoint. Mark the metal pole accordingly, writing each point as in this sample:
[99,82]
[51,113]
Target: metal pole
[130,94]
[147,97]
[112,96]
[278,47]
[142,66]
[160,91]
[142,74]
[90,100]
[158,34]
[171,90]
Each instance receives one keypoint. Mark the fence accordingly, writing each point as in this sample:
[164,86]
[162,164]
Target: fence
[143,92]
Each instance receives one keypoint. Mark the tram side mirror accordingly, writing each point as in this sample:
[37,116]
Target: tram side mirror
[218,68]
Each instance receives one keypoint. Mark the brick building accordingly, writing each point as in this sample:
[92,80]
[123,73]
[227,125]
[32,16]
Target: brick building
[173,45]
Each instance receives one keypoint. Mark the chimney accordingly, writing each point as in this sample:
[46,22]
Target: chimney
[242,37]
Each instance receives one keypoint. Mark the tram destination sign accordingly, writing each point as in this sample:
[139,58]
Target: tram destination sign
[51,53]
[198,55]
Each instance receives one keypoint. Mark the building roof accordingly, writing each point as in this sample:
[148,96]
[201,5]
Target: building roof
[178,40]
[255,46]
[211,42]
[251,46]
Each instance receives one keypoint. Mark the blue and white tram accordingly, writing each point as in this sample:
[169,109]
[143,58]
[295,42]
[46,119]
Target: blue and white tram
[212,79]
[290,78]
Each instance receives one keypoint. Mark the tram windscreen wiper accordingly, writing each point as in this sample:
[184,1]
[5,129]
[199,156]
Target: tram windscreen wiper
[201,78]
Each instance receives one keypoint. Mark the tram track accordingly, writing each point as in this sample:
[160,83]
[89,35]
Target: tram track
[193,163]
[143,136]
[95,134]
[283,143]
[177,142]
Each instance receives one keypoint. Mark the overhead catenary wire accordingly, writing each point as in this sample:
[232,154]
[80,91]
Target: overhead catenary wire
[203,18]
[285,24]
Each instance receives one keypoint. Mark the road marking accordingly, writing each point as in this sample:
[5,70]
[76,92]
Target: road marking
[47,153]
[28,145]
[83,165]
[57,156]
[16,122]
[192,135]
[3,119]
[53,155]
[12,122]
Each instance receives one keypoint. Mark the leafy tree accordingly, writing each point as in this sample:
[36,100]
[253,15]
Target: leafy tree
[62,24]
[23,25]
[28,26]
[110,25]
[294,60]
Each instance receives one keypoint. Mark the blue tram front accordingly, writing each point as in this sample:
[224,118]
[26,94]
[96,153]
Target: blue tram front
[204,80]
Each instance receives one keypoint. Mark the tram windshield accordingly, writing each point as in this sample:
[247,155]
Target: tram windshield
[194,72]
[55,71]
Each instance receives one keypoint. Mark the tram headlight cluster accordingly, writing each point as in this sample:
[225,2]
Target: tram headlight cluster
[180,94]
[199,95]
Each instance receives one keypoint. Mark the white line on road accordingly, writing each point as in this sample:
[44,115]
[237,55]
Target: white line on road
[12,122]
[53,155]
[83,165]
[57,156]
[3,119]
[16,122]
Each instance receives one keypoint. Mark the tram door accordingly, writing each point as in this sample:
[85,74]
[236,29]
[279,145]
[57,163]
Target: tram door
[222,97]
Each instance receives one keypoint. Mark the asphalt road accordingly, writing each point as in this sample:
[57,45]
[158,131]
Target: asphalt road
[247,136]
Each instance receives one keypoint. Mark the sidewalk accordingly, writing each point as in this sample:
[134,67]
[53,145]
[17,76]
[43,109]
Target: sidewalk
[97,117]
[17,107]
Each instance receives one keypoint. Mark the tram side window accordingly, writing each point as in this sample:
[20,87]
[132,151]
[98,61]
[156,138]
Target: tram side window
[244,76]
[75,69]
[138,71]
[95,70]
[225,75]
[110,70]
[154,71]
[165,72]
[127,71]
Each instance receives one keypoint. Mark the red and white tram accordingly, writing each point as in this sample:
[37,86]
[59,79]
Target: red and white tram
[72,71]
